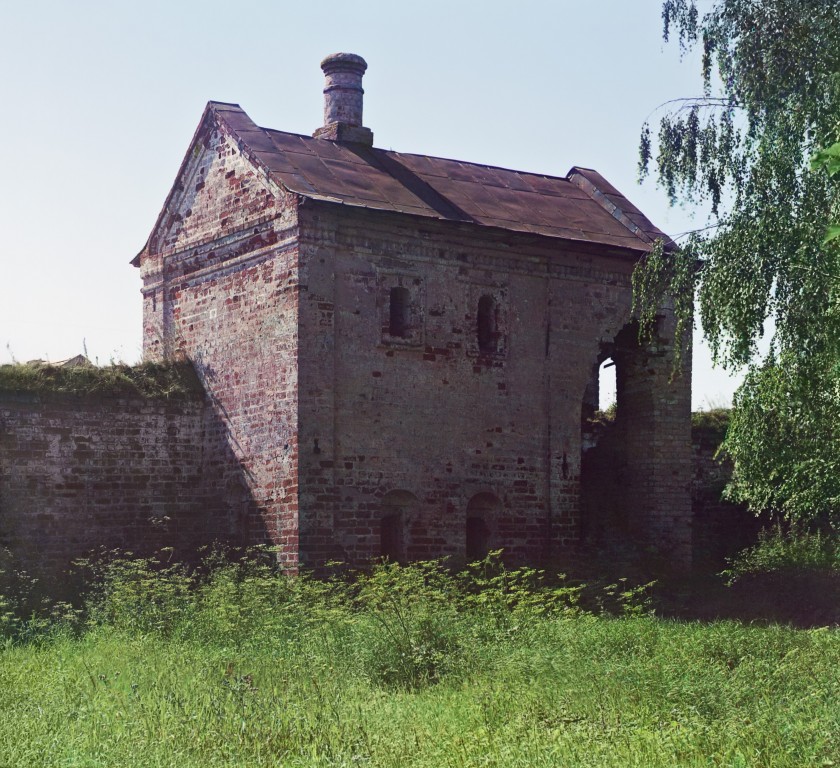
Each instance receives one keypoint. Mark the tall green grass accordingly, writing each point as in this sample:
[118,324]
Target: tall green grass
[238,665]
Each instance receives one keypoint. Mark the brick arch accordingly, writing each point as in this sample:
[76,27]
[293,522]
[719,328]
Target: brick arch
[635,470]
[603,461]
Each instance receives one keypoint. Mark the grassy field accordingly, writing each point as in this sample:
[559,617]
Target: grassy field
[405,667]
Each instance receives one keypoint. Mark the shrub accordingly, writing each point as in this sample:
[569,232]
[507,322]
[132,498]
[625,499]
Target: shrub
[246,598]
[26,614]
[513,596]
[781,549]
[413,636]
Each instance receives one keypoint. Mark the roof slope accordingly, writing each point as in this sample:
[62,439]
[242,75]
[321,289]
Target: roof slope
[581,207]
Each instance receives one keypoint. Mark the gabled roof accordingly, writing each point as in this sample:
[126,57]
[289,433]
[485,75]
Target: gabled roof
[581,207]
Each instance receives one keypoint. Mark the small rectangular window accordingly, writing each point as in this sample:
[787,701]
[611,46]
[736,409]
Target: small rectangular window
[486,330]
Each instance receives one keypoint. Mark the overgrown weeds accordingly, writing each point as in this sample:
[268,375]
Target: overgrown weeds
[148,380]
[792,548]
[237,663]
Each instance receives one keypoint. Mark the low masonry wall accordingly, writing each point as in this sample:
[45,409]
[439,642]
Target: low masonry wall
[83,472]
[720,528]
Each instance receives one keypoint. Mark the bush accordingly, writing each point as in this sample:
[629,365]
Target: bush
[247,599]
[412,637]
[781,549]
[513,596]
[140,594]
[26,614]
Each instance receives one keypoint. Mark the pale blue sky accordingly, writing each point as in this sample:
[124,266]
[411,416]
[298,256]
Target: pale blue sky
[100,99]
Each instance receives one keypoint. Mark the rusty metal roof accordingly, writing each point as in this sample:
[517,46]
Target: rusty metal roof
[581,207]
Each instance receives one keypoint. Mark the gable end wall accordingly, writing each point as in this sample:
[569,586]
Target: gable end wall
[224,294]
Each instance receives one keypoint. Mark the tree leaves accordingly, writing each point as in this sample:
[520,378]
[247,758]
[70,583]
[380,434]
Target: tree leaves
[758,148]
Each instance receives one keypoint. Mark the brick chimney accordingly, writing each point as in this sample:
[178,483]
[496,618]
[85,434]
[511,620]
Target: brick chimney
[343,99]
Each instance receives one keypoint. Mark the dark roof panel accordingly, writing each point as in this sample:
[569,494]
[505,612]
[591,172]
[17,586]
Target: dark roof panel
[582,206]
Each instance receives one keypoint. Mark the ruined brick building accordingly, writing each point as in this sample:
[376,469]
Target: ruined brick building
[404,349]
[398,355]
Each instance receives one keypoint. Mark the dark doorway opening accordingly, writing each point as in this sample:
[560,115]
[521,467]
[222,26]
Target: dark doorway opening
[478,539]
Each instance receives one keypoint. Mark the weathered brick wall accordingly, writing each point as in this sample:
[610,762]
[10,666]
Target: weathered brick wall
[721,528]
[718,527]
[653,417]
[337,423]
[221,289]
[80,472]
[432,421]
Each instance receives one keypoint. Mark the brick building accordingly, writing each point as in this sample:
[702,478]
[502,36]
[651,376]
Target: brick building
[402,351]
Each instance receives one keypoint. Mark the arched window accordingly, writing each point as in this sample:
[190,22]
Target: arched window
[486,325]
[599,397]
[399,312]
[606,385]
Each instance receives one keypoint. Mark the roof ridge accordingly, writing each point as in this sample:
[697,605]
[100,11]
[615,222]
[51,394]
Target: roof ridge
[580,207]
[480,165]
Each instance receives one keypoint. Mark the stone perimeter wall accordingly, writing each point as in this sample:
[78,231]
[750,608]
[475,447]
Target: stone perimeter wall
[720,528]
[78,473]
[81,473]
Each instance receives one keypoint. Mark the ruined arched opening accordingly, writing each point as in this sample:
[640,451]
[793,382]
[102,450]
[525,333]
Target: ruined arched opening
[636,466]
[599,397]
[607,408]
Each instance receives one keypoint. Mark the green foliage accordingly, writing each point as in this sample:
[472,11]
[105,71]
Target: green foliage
[412,624]
[788,549]
[711,425]
[784,440]
[140,594]
[512,597]
[750,148]
[27,615]
[153,380]
[247,666]
[666,275]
